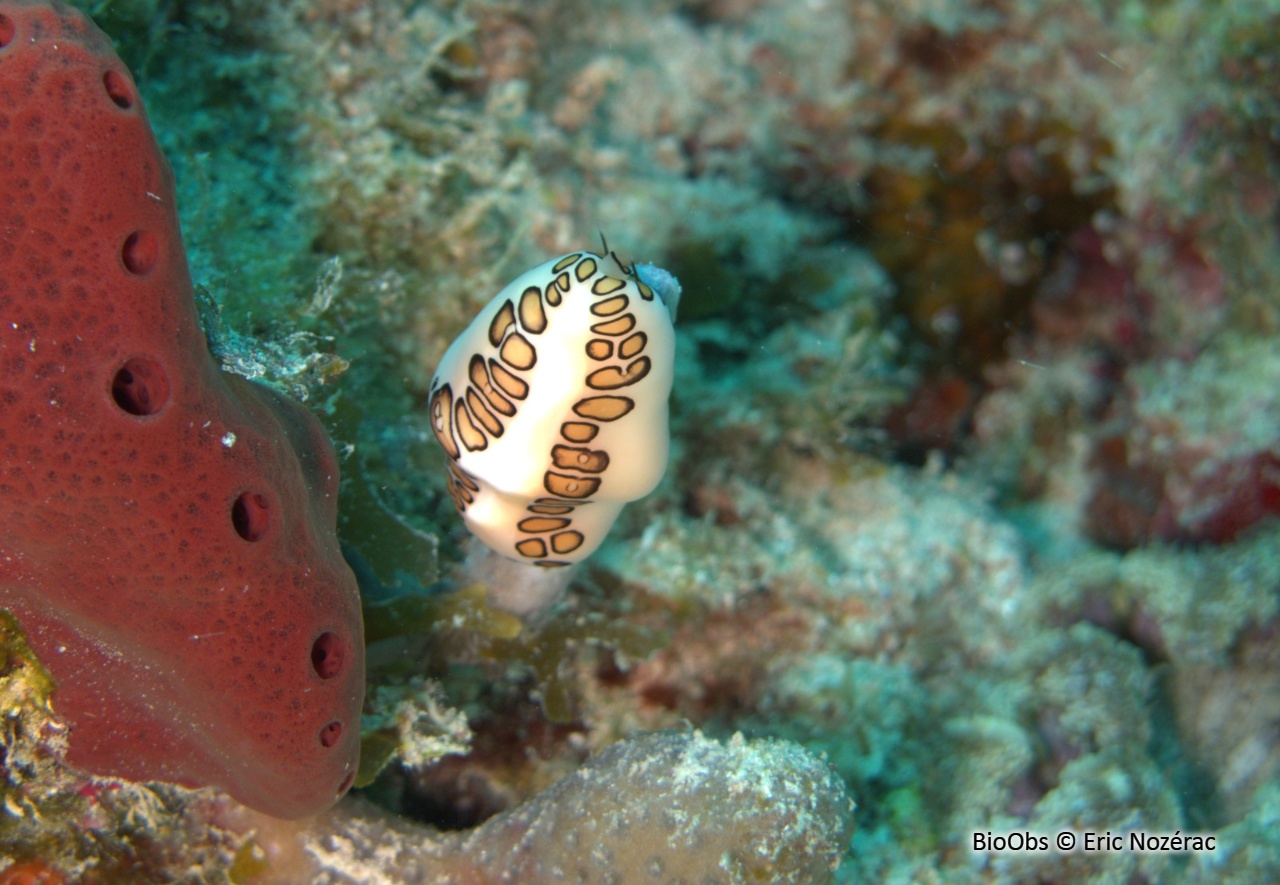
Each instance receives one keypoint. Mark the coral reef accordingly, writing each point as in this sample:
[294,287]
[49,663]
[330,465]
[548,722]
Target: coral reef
[973,457]
[149,705]
[665,807]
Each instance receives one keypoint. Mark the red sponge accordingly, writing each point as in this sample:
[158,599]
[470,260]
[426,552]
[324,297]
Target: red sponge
[167,531]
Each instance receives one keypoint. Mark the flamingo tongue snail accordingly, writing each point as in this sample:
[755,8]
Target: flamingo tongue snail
[552,405]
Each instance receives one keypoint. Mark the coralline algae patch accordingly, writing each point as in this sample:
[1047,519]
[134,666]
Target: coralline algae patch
[1193,453]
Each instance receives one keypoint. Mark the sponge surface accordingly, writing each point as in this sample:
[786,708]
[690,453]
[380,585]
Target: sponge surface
[167,539]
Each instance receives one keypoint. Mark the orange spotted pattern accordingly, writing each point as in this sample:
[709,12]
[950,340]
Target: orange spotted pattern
[468,420]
